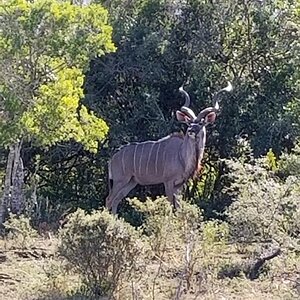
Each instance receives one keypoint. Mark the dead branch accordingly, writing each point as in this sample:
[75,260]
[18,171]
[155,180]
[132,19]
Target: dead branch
[255,266]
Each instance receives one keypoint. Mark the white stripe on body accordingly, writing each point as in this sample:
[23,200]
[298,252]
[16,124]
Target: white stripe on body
[164,161]
[156,159]
[134,155]
[140,163]
[123,164]
[149,156]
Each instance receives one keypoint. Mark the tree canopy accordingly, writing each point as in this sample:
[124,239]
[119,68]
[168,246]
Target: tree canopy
[45,50]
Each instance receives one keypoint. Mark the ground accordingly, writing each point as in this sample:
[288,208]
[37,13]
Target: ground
[36,273]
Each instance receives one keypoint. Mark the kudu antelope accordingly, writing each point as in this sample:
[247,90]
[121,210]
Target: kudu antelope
[171,160]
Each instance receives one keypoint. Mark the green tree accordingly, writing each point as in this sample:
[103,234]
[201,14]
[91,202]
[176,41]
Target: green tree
[45,48]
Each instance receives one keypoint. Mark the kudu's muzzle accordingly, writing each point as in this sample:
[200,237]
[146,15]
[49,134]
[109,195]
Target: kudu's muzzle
[194,128]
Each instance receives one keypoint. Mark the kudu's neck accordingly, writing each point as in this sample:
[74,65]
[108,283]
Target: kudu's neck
[192,151]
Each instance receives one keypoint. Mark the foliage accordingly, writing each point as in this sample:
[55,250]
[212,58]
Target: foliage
[47,120]
[164,227]
[55,83]
[215,232]
[200,264]
[20,230]
[135,89]
[271,160]
[200,44]
[181,241]
[203,44]
[264,208]
[45,47]
[104,250]
[289,164]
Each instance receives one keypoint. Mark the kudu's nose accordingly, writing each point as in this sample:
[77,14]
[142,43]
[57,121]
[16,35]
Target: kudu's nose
[194,128]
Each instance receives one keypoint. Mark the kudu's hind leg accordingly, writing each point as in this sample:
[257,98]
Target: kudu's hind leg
[116,187]
[123,192]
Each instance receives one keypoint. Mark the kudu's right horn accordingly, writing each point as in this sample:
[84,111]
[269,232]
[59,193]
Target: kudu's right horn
[185,108]
[228,88]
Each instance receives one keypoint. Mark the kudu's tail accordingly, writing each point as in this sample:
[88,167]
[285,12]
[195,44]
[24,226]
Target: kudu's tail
[110,181]
[110,186]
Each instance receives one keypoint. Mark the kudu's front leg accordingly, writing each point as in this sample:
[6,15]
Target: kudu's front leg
[172,192]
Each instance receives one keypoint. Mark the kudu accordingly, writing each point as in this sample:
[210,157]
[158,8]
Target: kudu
[171,160]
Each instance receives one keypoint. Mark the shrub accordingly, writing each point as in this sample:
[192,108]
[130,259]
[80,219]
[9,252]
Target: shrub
[264,208]
[164,228]
[215,231]
[104,250]
[175,241]
[289,164]
[20,231]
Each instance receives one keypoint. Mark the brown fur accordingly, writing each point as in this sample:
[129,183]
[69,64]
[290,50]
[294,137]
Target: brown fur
[177,134]
[198,170]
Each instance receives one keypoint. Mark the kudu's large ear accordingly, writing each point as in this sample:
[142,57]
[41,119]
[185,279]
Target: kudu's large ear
[210,118]
[182,117]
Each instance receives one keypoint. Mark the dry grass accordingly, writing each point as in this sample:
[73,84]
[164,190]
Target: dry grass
[38,274]
[279,284]
[34,273]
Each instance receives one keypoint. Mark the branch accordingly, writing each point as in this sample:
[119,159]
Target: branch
[254,268]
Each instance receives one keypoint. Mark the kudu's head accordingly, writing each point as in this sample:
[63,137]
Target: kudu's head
[196,124]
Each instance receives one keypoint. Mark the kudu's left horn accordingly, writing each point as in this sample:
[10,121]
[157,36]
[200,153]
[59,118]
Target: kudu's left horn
[216,106]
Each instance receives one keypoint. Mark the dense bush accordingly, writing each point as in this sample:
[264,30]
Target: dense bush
[265,208]
[102,249]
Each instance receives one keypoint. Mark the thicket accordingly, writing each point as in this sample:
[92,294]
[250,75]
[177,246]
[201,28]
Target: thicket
[266,208]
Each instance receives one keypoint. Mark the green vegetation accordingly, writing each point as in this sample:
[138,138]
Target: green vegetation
[78,80]
[103,249]
[173,256]
[45,48]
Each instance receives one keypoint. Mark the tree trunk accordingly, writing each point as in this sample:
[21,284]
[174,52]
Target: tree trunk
[12,198]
